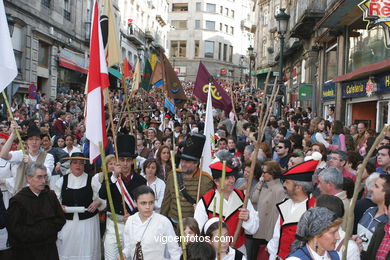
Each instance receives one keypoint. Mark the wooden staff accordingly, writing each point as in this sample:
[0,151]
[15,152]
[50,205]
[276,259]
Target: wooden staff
[260,132]
[349,213]
[110,202]
[221,198]
[200,180]
[12,119]
[181,227]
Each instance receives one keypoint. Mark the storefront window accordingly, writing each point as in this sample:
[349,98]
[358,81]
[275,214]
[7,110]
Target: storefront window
[331,61]
[366,47]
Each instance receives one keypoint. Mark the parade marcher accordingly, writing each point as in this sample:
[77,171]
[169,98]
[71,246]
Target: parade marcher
[233,210]
[35,217]
[70,148]
[317,234]
[298,186]
[80,237]
[144,227]
[150,169]
[226,252]
[34,154]
[122,181]
[188,178]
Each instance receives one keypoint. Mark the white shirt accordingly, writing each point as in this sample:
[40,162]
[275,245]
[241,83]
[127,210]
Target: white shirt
[158,186]
[17,157]
[230,255]
[151,234]
[74,150]
[250,226]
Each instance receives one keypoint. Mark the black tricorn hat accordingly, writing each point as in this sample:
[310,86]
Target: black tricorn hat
[193,147]
[126,146]
[32,130]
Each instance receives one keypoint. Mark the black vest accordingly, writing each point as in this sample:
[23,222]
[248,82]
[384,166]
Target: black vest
[77,198]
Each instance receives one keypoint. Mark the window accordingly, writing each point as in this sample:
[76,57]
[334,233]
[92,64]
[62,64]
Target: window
[46,3]
[211,8]
[198,7]
[232,13]
[179,24]
[231,30]
[220,27]
[18,59]
[221,10]
[67,9]
[224,52]
[209,49]
[43,54]
[219,50]
[226,28]
[265,17]
[178,48]
[227,11]
[197,24]
[210,25]
[179,7]
[331,61]
[196,54]
[231,53]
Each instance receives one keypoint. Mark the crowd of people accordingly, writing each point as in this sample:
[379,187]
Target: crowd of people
[54,203]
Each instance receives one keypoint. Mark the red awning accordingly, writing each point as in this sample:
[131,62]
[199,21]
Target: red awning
[71,65]
[364,71]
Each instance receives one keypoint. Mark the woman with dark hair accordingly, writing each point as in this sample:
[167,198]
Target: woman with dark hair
[60,142]
[338,137]
[296,143]
[199,251]
[144,227]
[318,130]
[150,169]
[316,236]
[163,158]
[268,192]
[70,148]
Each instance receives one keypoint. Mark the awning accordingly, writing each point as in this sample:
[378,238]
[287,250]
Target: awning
[365,71]
[263,71]
[71,65]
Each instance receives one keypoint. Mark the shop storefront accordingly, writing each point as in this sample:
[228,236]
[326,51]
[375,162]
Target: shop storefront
[368,100]
[328,97]
[72,71]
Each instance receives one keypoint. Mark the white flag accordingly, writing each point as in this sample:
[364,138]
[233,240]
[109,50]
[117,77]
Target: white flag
[8,69]
[209,133]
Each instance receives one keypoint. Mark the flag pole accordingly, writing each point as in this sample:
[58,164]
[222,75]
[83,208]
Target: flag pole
[110,202]
[221,198]
[181,227]
[12,118]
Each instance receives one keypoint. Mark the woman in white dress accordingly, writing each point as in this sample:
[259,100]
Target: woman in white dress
[78,193]
[148,234]
[158,186]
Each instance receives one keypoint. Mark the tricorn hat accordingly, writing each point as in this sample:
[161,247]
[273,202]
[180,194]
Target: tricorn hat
[217,168]
[193,147]
[126,146]
[301,172]
[32,131]
[76,156]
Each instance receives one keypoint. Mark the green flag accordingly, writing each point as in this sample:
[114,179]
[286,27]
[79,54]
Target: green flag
[146,77]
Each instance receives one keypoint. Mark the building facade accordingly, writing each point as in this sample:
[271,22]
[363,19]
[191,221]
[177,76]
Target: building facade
[218,33]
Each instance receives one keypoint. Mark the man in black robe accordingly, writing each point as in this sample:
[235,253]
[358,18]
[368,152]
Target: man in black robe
[34,218]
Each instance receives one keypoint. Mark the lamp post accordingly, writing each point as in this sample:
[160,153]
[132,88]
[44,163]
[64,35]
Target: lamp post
[251,57]
[11,24]
[282,22]
[241,67]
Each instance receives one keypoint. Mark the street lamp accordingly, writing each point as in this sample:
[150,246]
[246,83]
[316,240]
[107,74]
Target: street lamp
[11,24]
[241,66]
[251,57]
[282,20]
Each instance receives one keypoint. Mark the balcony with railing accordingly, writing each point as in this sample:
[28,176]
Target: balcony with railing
[135,35]
[305,16]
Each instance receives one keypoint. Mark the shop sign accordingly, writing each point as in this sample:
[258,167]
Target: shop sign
[305,92]
[377,12]
[329,90]
[354,89]
[383,83]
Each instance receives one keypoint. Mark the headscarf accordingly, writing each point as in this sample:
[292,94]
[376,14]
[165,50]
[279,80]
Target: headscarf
[312,223]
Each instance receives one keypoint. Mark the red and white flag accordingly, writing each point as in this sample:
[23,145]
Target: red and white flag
[8,69]
[97,82]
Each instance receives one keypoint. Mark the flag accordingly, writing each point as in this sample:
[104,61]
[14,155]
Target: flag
[219,96]
[8,69]
[126,74]
[172,83]
[169,103]
[209,133]
[153,60]
[97,82]
[147,76]
[157,75]
[110,34]
[136,78]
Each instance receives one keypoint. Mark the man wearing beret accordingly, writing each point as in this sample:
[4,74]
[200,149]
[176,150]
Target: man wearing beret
[188,178]
[298,186]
